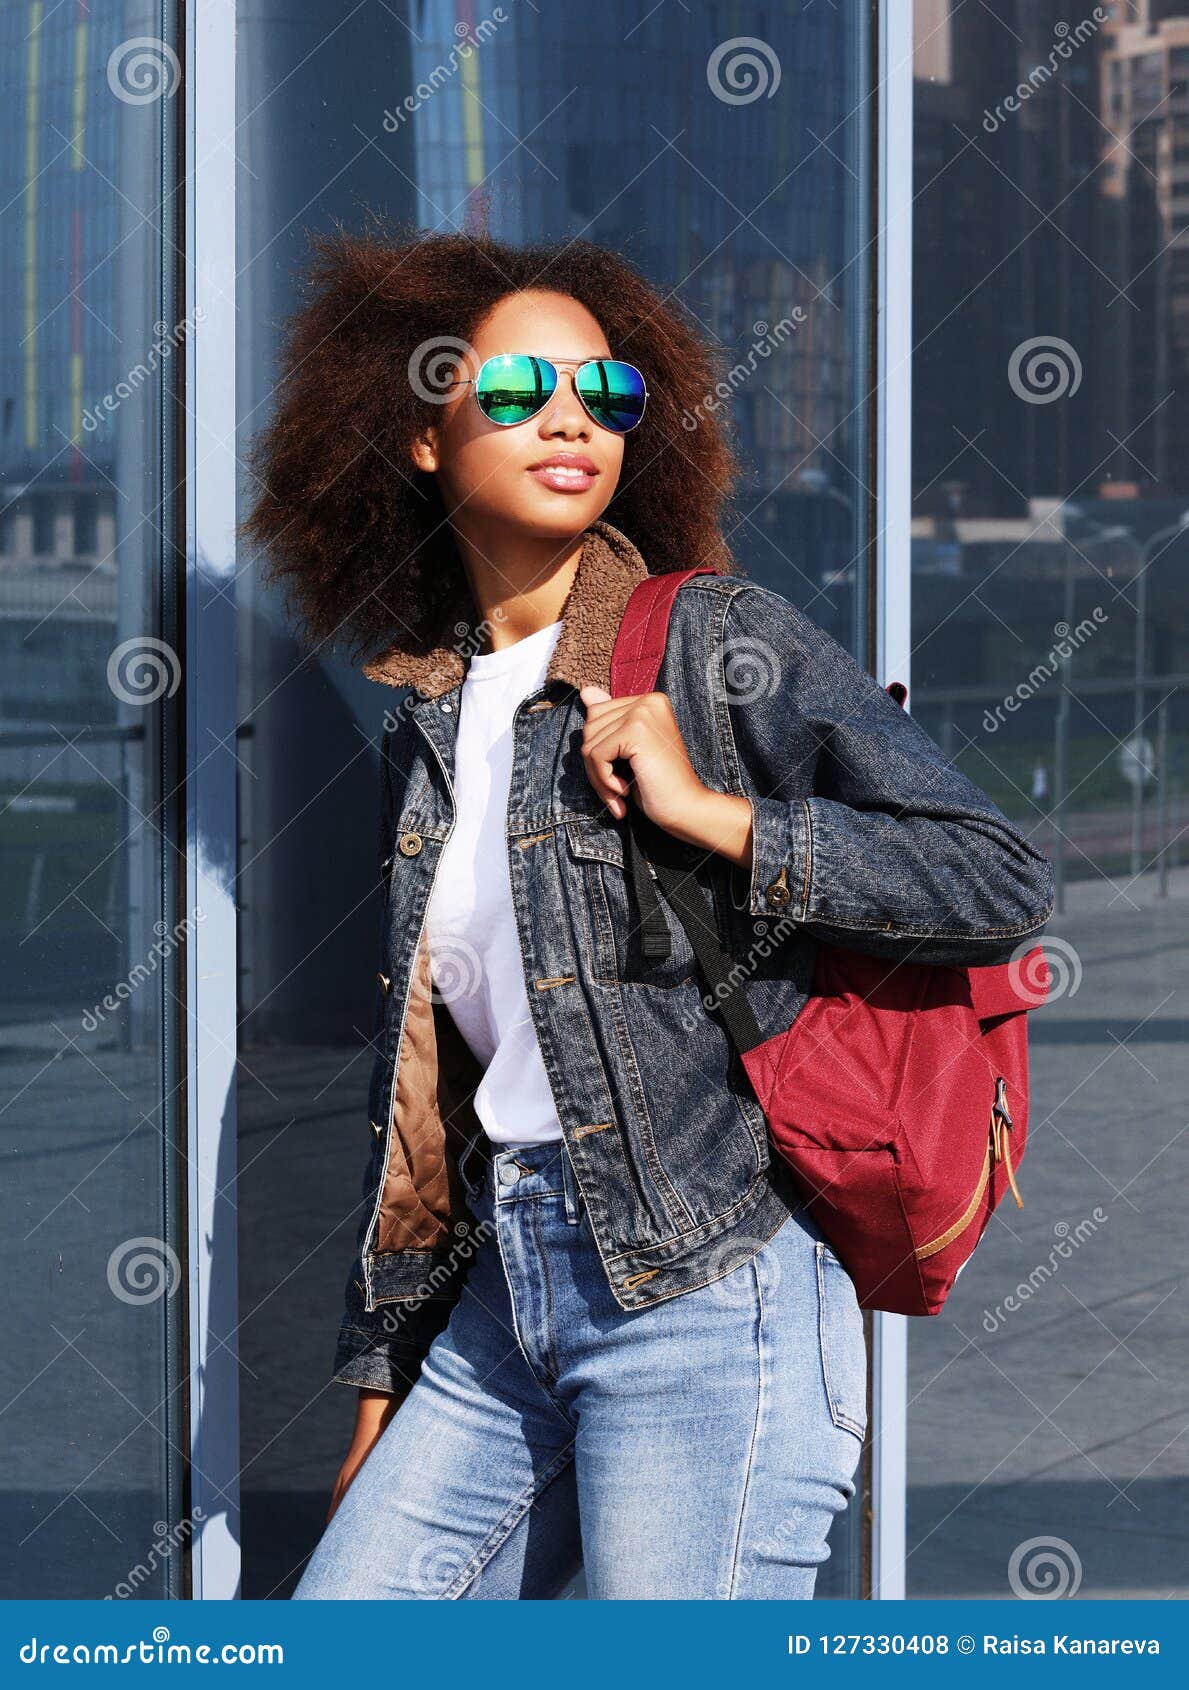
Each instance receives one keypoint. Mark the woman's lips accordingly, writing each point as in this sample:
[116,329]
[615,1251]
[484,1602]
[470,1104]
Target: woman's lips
[565,475]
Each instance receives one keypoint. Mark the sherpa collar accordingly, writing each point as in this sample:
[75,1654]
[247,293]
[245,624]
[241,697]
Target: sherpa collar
[609,567]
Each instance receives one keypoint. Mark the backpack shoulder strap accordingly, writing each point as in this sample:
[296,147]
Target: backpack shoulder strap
[635,665]
[640,643]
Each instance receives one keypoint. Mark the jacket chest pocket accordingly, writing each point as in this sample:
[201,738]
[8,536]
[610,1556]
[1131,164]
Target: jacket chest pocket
[618,951]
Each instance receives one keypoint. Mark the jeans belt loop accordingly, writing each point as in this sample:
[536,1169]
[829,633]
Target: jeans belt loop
[569,1183]
[474,1186]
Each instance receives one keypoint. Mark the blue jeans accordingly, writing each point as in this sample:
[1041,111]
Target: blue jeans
[696,1448]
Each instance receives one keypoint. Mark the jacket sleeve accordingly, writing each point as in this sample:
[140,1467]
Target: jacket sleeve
[894,853]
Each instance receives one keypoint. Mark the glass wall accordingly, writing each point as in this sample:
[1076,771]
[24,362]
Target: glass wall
[724,149]
[1047,1405]
[91,1421]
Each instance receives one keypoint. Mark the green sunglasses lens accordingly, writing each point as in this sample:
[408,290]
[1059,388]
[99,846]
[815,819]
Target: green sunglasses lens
[612,392]
[514,387]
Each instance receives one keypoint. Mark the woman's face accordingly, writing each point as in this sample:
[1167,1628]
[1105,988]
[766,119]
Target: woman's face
[495,478]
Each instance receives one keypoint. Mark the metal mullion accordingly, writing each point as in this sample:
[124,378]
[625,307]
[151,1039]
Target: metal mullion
[893,646]
[210,652]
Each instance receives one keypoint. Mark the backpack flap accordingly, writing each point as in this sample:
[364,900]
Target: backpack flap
[1010,987]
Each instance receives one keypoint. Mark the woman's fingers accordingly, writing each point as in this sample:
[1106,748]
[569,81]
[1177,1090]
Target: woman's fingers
[602,743]
[607,784]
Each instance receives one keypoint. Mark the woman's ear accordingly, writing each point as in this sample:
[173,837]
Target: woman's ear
[424,451]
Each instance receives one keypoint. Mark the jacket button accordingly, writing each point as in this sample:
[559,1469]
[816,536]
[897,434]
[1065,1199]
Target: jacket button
[409,844]
[778,893]
[384,983]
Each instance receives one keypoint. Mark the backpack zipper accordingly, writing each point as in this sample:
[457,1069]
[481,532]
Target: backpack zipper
[1001,1127]
[998,1150]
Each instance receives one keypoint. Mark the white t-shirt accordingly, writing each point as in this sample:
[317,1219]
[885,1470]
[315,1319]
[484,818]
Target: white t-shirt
[474,951]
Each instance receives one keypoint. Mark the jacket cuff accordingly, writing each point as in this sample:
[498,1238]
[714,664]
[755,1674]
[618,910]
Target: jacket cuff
[781,852]
[359,1360]
[384,1351]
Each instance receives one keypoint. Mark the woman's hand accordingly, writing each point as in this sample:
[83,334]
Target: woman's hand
[642,729]
[373,1411]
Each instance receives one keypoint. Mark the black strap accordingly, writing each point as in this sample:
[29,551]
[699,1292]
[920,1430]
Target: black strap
[645,843]
[656,942]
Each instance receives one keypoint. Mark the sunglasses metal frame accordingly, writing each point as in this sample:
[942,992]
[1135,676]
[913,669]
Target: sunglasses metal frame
[558,365]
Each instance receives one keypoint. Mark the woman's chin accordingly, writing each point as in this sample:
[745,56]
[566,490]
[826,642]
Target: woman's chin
[557,516]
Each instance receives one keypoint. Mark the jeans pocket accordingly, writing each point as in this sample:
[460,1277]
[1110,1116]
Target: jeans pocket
[842,1342]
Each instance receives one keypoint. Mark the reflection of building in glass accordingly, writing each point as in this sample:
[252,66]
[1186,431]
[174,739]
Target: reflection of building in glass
[60,352]
[1144,93]
[1004,250]
[80,381]
[58,167]
[82,531]
[1051,320]
[1047,208]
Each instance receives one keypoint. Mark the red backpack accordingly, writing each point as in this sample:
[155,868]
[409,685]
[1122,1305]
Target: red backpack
[899,1095]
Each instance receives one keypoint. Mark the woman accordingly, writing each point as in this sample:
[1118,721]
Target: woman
[588,1321]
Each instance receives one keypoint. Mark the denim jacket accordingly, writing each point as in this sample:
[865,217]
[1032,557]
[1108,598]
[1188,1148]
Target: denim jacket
[864,835]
